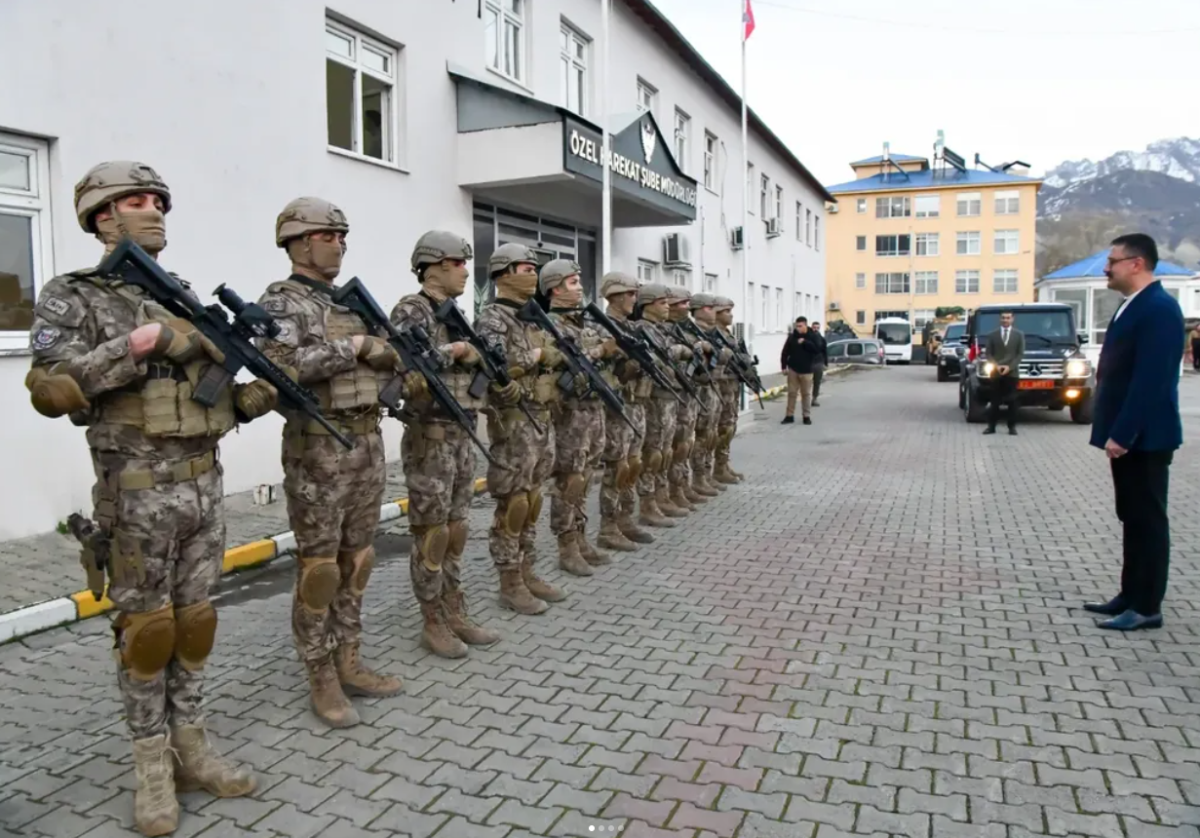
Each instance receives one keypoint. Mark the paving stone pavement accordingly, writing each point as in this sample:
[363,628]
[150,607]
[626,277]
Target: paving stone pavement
[874,635]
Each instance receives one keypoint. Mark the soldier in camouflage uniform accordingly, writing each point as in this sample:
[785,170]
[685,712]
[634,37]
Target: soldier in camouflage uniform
[622,446]
[704,313]
[682,493]
[526,455]
[729,392]
[438,456]
[578,422]
[120,365]
[333,494]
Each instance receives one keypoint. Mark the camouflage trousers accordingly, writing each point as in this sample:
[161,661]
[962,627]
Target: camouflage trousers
[685,440]
[528,458]
[439,473]
[706,432]
[579,450]
[178,531]
[727,416]
[333,498]
[622,453]
[657,444]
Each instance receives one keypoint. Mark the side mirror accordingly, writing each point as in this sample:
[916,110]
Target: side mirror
[1082,338]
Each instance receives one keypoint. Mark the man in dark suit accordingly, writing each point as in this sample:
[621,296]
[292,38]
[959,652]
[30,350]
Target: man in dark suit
[1004,349]
[1137,423]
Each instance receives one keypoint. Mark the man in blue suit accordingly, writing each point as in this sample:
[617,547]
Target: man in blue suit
[1136,422]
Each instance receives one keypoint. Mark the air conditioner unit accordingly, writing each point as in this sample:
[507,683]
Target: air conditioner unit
[676,250]
[774,228]
[736,239]
[832,209]
[835,306]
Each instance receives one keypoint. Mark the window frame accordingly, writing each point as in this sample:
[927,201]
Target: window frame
[645,90]
[568,58]
[899,250]
[710,283]
[1010,273]
[901,279]
[973,200]
[962,243]
[647,270]
[36,204]
[860,244]
[808,217]
[1010,236]
[890,203]
[860,317]
[925,282]
[799,221]
[860,279]
[779,202]
[506,16]
[963,275]
[1003,202]
[681,146]
[764,193]
[920,213]
[926,239]
[861,206]
[711,144]
[392,125]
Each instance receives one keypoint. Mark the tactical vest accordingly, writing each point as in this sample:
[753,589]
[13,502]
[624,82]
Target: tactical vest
[457,378]
[161,405]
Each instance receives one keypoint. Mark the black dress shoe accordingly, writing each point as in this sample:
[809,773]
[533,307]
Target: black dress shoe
[989,431]
[1131,621]
[787,420]
[1012,431]
[1112,608]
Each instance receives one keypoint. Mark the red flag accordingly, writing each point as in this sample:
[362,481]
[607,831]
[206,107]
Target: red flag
[747,20]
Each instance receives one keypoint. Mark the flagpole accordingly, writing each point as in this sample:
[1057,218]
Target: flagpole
[745,186]
[605,150]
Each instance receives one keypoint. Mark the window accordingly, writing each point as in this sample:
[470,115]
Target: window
[1007,242]
[647,96]
[862,205]
[966,282]
[647,270]
[968,244]
[929,206]
[680,278]
[25,255]
[778,308]
[779,203]
[504,37]
[893,283]
[710,161]
[817,232]
[860,243]
[749,186]
[927,282]
[897,207]
[573,55]
[855,349]
[710,283]
[920,317]
[750,300]
[1008,202]
[928,244]
[860,280]
[766,307]
[360,91]
[764,189]
[808,227]
[893,245]
[799,222]
[1005,281]
[970,203]
[838,350]
[683,138]
[797,306]
[860,318]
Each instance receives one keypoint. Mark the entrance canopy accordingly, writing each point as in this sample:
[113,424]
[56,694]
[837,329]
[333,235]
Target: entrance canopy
[517,150]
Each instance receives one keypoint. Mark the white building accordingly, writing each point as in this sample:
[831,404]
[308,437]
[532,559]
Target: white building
[477,116]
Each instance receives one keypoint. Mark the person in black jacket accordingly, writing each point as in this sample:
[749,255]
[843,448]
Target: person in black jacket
[821,362]
[800,351]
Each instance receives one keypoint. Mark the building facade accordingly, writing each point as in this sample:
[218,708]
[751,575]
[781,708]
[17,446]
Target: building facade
[908,237]
[481,117]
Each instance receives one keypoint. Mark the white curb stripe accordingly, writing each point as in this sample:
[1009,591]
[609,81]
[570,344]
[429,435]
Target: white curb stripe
[35,618]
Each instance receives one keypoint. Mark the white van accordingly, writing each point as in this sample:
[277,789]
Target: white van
[896,334]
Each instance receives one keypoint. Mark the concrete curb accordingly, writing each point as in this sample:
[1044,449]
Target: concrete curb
[30,619]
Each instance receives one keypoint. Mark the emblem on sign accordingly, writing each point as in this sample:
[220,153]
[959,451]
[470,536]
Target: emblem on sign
[649,137]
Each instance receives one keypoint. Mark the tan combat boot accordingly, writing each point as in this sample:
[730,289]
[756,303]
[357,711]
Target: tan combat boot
[700,488]
[515,596]
[712,485]
[541,589]
[357,679]
[663,496]
[612,537]
[651,515]
[722,474]
[679,497]
[436,635]
[569,558]
[328,701]
[631,530]
[201,767]
[591,554]
[155,808]
[454,606]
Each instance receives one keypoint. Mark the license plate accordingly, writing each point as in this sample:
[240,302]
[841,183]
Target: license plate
[1035,385]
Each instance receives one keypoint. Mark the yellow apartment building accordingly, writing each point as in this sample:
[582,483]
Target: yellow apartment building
[907,237]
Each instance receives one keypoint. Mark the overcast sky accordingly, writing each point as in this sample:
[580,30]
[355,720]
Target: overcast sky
[1037,80]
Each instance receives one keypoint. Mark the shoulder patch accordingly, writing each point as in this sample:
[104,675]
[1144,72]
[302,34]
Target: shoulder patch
[275,305]
[45,338]
[56,305]
[287,331]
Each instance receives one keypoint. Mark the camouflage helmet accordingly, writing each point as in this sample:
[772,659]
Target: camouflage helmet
[702,301]
[106,182]
[436,245]
[679,294]
[507,255]
[652,291]
[555,272]
[308,215]
[617,282]
[722,302]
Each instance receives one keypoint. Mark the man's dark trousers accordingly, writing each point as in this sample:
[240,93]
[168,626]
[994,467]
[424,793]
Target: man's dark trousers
[1004,391]
[818,373]
[1140,480]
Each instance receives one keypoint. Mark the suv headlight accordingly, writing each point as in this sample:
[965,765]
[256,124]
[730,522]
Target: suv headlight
[1078,368]
[988,369]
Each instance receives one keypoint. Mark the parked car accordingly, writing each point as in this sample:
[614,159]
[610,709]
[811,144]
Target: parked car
[857,351]
[952,351]
[1054,371]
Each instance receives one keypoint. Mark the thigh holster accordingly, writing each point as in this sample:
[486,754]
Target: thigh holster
[195,632]
[145,641]
[320,579]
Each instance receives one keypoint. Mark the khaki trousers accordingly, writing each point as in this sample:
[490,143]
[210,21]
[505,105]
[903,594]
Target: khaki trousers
[803,384]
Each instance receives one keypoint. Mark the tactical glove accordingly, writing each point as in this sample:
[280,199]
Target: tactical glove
[415,386]
[180,342]
[629,371]
[378,354]
[54,395]
[253,400]
[507,396]
[551,357]
[725,356]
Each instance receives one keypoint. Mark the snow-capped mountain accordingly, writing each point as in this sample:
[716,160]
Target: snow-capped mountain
[1178,158]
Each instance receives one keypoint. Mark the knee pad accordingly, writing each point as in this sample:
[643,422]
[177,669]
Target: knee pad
[319,582]
[361,564]
[457,540]
[623,472]
[195,631]
[635,471]
[681,452]
[432,542]
[535,507]
[573,487]
[514,513]
[146,641]
[654,462]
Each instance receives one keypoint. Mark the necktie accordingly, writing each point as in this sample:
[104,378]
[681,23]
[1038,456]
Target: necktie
[1005,338]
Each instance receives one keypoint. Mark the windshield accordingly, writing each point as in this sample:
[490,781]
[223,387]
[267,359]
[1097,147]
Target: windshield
[955,331]
[1053,326]
[894,333]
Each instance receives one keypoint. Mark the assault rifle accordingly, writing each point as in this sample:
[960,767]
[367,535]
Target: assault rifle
[492,359]
[416,351]
[234,339]
[96,554]
[635,347]
[745,372]
[685,329]
[576,360]
[681,375]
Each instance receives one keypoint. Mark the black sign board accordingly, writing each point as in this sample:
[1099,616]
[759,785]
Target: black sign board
[642,164]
